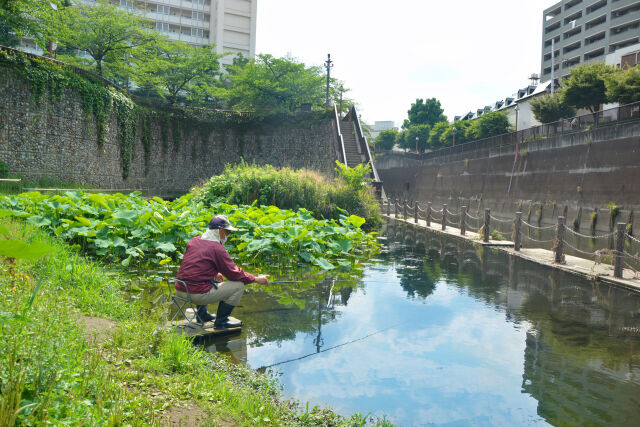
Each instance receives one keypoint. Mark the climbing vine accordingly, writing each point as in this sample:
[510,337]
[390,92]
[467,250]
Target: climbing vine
[127,115]
[146,138]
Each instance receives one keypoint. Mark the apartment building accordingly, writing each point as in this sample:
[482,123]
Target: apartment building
[584,31]
[229,24]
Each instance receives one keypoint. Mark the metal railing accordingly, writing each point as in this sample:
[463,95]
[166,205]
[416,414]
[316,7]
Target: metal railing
[609,117]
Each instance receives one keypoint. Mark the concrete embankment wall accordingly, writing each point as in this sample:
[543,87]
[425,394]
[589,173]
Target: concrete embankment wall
[56,138]
[584,171]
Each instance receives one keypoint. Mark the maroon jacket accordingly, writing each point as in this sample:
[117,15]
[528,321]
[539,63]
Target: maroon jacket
[202,261]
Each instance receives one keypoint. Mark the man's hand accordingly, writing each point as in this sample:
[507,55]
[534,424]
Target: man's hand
[219,277]
[262,280]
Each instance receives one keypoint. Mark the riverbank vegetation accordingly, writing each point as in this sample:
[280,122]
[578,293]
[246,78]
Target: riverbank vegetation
[134,231]
[295,189]
[53,369]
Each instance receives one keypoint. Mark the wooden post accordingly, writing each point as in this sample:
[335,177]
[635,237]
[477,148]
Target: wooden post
[388,207]
[429,214]
[618,264]
[487,225]
[444,217]
[404,210]
[463,220]
[559,247]
[415,212]
[517,239]
[395,208]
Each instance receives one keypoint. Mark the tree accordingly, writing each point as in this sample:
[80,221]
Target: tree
[623,86]
[421,132]
[401,140]
[489,124]
[585,87]
[548,109]
[269,84]
[436,132]
[20,18]
[175,68]
[446,139]
[105,32]
[425,112]
[386,139]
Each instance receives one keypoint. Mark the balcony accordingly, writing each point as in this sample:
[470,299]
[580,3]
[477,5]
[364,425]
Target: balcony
[596,6]
[570,48]
[571,4]
[596,22]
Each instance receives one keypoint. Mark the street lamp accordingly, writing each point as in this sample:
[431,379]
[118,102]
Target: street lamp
[416,145]
[328,64]
[454,130]
[517,109]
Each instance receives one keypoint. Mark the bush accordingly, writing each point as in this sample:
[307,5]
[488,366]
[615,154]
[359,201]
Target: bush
[291,189]
[4,170]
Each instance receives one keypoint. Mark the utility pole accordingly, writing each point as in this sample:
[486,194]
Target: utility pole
[328,64]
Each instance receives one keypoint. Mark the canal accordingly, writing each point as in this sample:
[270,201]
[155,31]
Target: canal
[439,331]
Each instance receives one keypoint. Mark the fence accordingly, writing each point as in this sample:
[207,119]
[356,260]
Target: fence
[621,242]
[10,186]
[609,117]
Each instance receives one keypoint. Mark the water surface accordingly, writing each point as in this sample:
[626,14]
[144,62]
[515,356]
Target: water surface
[439,332]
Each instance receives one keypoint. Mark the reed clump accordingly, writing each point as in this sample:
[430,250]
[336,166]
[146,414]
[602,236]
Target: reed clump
[294,189]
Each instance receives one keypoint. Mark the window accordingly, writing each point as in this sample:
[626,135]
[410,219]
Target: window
[163,10]
[126,4]
[163,27]
[197,32]
[197,16]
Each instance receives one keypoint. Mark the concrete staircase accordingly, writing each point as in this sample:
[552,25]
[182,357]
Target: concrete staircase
[348,131]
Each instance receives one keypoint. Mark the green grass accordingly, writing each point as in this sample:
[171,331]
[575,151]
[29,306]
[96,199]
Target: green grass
[51,372]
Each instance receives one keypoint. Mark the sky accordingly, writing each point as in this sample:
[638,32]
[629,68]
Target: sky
[465,53]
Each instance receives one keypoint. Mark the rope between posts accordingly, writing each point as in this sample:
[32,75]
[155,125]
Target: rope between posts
[601,236]
[420,209]
[536,240]
[632,238]
[473,217]
[505,221]
[538,228]
[436,219]
[578,250]
[436,210]
[452,214]
[631,256]
[469,227]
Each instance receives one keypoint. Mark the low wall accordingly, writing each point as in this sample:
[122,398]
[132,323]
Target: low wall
[55,138]
[582,171]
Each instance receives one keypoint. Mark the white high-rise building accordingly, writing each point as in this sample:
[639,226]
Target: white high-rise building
[229,24]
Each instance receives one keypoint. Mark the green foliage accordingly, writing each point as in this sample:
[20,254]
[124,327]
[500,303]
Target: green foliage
[105,32]
[548,109]
[585,87]
[132,230]
[446,139]
[623,86]
[19,18]
[386,139]
[401,139]
[425,112]
[174,68]
[4,170]
[419,132]
[46,77]
[127,114]
[435,136]
[269,84]
[289,189]
[489,124]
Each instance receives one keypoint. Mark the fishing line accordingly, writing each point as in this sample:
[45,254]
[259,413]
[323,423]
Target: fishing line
[334,347]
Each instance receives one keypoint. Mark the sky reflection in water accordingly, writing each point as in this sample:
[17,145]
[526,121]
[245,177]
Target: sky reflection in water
[457,336]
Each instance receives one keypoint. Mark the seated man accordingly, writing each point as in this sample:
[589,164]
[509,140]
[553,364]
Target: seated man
[205,263]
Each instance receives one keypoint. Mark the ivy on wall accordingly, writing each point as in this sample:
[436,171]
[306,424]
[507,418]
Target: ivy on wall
[176,122]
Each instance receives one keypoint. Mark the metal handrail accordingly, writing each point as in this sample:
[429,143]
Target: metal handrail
[338,135]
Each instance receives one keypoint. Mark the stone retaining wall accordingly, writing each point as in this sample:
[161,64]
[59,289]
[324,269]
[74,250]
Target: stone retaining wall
[55,138]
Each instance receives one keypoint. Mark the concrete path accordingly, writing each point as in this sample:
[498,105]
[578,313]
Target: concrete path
[582,267]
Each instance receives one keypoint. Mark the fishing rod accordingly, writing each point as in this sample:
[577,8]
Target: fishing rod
[279,282]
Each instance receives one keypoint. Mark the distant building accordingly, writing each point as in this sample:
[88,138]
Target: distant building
[522,99]
[380,126]
[585,31]
[229,24]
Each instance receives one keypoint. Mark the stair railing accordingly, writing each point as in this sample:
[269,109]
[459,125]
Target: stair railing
[340,151]
[364,148]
